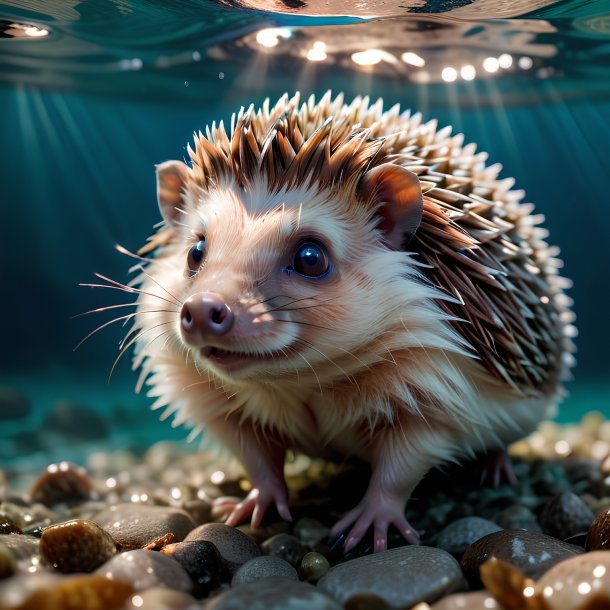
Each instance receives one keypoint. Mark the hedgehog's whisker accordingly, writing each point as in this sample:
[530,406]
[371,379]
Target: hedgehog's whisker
[136,290]
[127,252]
[177,301]
[128,289]
[100,309]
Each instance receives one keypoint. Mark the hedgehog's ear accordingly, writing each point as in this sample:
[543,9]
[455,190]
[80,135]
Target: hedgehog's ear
[397,194]
[171,180]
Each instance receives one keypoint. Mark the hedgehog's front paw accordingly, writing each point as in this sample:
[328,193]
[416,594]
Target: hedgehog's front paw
[258,501]
[380,512]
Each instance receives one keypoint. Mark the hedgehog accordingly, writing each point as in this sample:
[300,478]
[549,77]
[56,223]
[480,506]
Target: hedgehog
[338,280]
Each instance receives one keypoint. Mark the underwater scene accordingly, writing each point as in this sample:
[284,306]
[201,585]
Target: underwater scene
[305,304]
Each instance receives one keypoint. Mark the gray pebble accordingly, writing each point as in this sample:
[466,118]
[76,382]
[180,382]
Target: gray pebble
[314,566]
[134,526]
[285,547]
[459,535]
[274,594]
[263,567]
[234,546]
[21,547]
[518,517]
[566,515]
[75,421]
[13,404]
[401,577]
[310,531]
[146,569]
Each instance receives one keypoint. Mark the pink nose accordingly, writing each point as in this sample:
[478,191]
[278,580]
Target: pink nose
[204,316]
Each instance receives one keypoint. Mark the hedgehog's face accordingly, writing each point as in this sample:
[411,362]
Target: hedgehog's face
[272,285]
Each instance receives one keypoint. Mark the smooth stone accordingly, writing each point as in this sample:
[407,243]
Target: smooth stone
[402,577]
[475,600]
[285,547]
[162,599]
[7,562]
[8,525]
[518,517]
[273,594]
[234,546]
[366,601]
[310,531]
[76,546]
[314,566]
[532,553]
[459,535]
[20,546]
[146,569]
[75,420]
[599,532]
[202,563]
[263,567]
[14,404]
[566,515]
[133,526]
[64,482]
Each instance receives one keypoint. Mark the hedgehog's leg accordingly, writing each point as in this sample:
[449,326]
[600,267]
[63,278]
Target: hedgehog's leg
[263,460]
[498,467]
[398,466]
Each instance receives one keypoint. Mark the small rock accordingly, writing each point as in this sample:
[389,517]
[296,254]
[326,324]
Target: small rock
[24,549]
[599,533]
[273,594]
[566,515]
[366,601]
[202,563]
[402,577]
[199,510]
[476,600]
[314,566]
[517,517]
[62,483]
[13,404]
[263,567]
[310,531]
[146,569]
[8,525]
[234,546]
[75,421]
[459,535]
[285,547]
[134,526]
[7,562]
[162,599]
[532,553]
[76,546]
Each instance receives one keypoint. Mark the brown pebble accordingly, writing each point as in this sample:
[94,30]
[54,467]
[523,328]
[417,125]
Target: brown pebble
[80,593]
[159,543]
[365,601]
[314,566]
[76,546]
[285,547]
[8,525]
[64,482]
[506,583]
[599,533]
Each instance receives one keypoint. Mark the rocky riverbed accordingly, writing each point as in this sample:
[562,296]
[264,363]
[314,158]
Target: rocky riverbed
[130,531]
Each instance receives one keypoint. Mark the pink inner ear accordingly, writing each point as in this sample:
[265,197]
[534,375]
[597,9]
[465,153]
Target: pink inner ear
[387,224]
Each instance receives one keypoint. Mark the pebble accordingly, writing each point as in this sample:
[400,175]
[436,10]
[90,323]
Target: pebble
[273,594]
[310,531]
[64,482]
[401,577]
[366,601]
[146,569]
[285,547]
[7,562]
[8,525]
[599,533]
[201,561]
[475,600]
[162,599]
[566,515]
[263,567]
[517,517]
[459,535]
[134,526]
[314,566]
[13,404]
[76,546]
[75,420]
[22,548]
[234,546]
[530,552]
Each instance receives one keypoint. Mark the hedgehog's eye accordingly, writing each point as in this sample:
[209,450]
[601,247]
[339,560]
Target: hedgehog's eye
[311,260]
[195,256]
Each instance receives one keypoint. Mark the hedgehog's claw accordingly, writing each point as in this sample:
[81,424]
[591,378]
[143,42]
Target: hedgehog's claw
[498,468]
[256,504]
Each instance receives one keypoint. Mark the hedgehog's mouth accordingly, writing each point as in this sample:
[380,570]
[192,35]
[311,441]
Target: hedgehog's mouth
[233,361]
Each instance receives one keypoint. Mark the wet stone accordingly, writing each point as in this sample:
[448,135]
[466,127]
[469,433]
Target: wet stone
[20,546]
[285,547]
[64,482]
[476,600]
[7,562]
[532,553]
[234,546]
[162,599]
[517,517]
[263,567]
[76,546]
[201,561]
[310,531]
[313,567]
[74,420]
[566,515]
[146,569]
[402,577]
[273,594]
[134,526]
[13,404]
[8,525]
[599,533]
[460,534]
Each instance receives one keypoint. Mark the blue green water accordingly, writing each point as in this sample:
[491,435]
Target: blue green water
[116,87]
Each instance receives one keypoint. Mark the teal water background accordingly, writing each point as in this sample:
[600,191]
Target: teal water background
[80,138]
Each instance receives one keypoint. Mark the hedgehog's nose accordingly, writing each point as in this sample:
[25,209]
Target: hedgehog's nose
[205,315]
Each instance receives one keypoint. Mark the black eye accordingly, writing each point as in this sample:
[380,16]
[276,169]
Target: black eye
[310,260]
[195,256]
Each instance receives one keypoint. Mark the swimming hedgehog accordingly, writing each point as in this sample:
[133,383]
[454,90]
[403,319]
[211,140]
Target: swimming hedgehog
[334,279]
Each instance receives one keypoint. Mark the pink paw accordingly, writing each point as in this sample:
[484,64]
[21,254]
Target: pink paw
[497,468]
[257,502]
[380,514]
